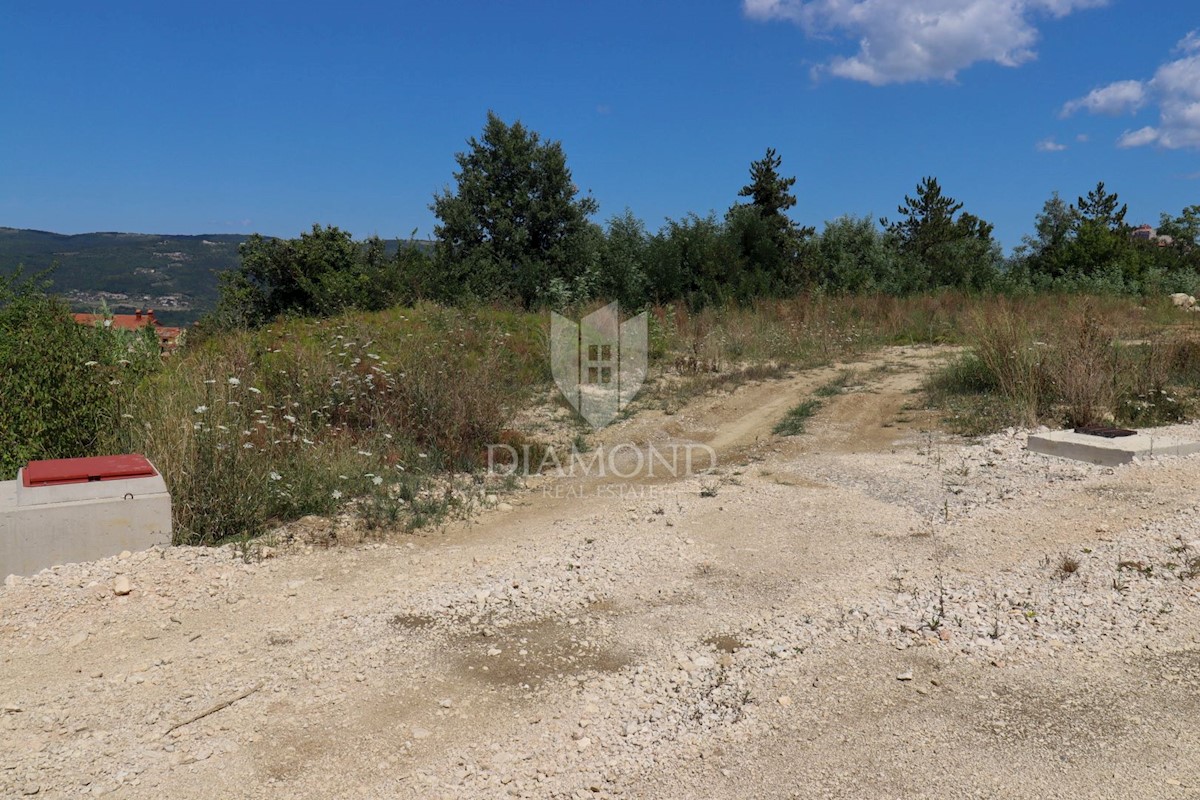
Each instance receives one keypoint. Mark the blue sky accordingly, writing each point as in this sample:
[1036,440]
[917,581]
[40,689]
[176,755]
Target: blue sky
[234,117]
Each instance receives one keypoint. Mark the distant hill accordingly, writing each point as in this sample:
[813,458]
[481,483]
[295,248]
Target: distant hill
[175,275]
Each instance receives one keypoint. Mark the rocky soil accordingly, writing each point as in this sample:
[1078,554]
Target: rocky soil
[871,609]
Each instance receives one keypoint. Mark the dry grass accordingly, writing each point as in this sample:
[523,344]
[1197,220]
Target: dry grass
[1088,362]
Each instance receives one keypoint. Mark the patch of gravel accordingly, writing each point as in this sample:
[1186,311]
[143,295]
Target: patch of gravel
[532,621]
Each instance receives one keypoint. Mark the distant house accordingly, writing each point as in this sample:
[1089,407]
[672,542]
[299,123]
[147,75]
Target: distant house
[1146,233]
[168,337]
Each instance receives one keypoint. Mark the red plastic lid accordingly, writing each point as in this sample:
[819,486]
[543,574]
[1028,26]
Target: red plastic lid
[83,470]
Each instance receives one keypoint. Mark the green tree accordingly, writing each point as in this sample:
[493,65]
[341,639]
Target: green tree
[514,222]
[768,191]
[1046,255]
[321,273]
[942,251]
[622,274]
[851,256]
[1102,253]
[770,242]
[1184,231]
[693,259]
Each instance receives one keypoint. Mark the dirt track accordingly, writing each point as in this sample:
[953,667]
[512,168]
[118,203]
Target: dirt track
[868,610]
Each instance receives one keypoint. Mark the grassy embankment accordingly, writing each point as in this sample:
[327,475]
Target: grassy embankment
[388,415]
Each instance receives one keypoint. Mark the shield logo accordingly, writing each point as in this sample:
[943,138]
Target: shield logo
[600,363]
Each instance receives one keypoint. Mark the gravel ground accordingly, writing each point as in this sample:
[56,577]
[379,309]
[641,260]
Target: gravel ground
[871,609]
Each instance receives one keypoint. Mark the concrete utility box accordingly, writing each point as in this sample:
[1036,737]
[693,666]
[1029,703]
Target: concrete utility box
[1108,452]
[81,509]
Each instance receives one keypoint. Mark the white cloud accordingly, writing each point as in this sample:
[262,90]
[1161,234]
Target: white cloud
[1050,146]
[919,40]
[1138,138]
[1116,98]
[1175,89]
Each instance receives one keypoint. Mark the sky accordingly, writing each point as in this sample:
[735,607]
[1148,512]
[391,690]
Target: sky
[222,117]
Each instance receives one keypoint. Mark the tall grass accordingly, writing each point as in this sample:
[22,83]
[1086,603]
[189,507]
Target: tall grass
[1076,365]
[370,413]
[305,417]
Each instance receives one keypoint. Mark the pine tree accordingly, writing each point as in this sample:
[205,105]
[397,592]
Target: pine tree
[943,251]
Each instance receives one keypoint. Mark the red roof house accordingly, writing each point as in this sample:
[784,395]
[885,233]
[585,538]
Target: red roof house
[168,337]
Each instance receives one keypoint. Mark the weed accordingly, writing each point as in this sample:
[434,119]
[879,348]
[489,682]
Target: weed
[1067,566]
[837,385]
[793,423]
[709,489]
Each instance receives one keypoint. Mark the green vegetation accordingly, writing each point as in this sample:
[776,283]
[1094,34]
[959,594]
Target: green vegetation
[136,265]
[1079,366]
[514,228]
[794,421]
[64,386]
[336,374]
[324,272]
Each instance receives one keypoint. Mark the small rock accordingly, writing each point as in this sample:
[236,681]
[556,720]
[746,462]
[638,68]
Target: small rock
[11,708]
[122,586]
[445,702]
[905,676]
[125,555]
[504,507]
[785,701]
[421,733]
[583,744]
[31,790]
[12,580]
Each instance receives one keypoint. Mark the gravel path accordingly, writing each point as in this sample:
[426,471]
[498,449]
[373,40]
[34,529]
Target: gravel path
[868,610]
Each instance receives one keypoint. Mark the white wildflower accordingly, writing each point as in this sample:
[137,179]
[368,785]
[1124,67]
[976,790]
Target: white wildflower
[235,382]
[90,363]
[275,476]
[337,495]
[201,409]
[377,480]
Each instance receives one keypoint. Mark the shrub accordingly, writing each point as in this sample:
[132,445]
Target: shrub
[64,386]
[308,417]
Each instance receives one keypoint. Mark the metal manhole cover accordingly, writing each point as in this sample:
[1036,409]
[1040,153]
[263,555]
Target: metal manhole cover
[1105,431]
